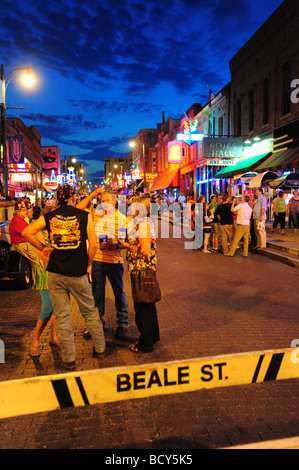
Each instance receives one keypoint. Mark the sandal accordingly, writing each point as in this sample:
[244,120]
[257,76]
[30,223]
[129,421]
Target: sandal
[34,351]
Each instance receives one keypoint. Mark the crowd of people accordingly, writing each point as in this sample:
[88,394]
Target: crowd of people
[282,210]
[74,248]
[225,222]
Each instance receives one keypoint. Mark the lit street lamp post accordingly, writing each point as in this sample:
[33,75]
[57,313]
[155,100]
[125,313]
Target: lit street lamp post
[28,81]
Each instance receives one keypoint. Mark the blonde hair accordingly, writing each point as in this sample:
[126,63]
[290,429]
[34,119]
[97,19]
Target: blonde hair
[145,201]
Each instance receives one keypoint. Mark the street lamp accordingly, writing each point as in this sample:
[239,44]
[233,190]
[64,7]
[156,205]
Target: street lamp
[28,80]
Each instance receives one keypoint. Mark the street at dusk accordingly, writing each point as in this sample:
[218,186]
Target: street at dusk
[211,306]
[149,227]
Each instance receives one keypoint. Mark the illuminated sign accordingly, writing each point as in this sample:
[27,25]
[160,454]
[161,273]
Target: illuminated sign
[189,131]
[21,177]
[190,137]
[217,162]
[15,149]
[26,165]
[150,176]
[174,152]
[136,174]
[222,147]
[50,157]
[258,148]
[50,186]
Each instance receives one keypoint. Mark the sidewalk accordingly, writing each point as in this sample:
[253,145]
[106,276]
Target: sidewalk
[283,248]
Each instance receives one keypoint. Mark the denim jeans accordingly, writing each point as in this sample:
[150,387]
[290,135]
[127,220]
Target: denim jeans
[114,272]
[61,287]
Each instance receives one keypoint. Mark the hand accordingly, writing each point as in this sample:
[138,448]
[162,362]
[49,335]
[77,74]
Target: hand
[107,246]
[47,250]
[122,243]
[98,191]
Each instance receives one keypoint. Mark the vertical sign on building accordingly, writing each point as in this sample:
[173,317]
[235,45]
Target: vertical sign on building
[174,151]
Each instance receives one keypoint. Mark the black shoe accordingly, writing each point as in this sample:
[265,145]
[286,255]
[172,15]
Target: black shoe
[120,332]
[98,354]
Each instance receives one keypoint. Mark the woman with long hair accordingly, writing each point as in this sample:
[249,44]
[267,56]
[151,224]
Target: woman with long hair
[141,254]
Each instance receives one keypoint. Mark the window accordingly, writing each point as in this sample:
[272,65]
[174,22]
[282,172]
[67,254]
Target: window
[220,127]
[266,97]
[286,89]
[251,110]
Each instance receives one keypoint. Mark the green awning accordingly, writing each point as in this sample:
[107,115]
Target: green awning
[241,167]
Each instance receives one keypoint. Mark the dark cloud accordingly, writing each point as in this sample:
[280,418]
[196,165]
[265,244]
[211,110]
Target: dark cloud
[121,52]
[57,127]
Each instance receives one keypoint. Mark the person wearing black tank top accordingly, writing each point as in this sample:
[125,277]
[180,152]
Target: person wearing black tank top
[69,268]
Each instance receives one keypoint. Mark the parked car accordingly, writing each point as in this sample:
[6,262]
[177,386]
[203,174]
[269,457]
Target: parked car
[14,265]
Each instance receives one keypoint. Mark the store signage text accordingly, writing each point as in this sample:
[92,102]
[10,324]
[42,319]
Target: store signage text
[21,177]
[218,162]
[215,147]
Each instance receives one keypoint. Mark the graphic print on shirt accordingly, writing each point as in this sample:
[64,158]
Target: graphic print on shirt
[65,233]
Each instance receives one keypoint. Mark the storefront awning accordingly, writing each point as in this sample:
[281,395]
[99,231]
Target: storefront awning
[280,160]
[286,181]
[167,180]
[241,167]
[263,179]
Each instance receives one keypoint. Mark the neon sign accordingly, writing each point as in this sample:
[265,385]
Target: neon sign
[190,137]
[50,186]
[21,177]
[189,131]
[174,152]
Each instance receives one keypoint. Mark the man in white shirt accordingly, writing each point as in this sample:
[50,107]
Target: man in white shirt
[244,212]
[259,216]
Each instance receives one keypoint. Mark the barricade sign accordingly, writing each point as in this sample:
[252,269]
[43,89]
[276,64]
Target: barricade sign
[80,388]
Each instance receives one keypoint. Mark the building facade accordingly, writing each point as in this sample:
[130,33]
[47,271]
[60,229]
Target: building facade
[24,159]
[264,95]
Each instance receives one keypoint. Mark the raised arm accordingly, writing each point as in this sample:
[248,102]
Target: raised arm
[84,203]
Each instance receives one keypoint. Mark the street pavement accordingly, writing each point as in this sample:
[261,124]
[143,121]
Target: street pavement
[211,305]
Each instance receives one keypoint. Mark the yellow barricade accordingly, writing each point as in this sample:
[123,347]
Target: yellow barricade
[46,393]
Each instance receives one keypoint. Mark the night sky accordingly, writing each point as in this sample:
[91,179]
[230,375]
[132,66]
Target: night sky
[107,69]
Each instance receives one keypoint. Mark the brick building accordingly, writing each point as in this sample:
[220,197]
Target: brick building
[262,74]
[31,185]
[262,106]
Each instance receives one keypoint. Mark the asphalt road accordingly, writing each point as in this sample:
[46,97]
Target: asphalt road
[211,305]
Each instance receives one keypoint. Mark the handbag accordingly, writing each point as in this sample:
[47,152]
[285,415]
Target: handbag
[145,286]
[207,218]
